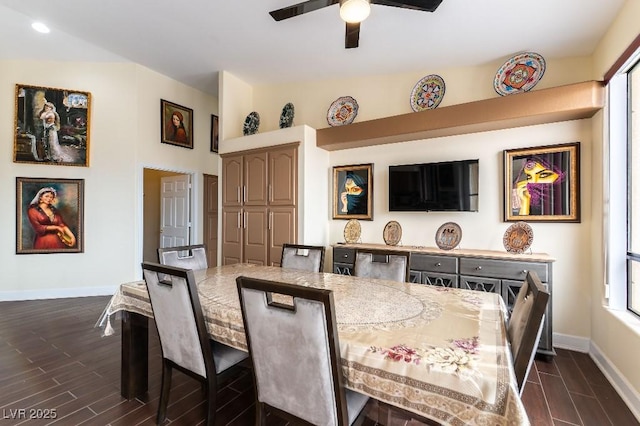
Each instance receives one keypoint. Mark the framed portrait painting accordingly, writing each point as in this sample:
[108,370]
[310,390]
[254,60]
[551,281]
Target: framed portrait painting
[51,126]
[353,192]
[541,184]
[177,124]
[49,215]
[215,133]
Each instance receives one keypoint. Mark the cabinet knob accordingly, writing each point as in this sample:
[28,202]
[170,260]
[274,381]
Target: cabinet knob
[345,255]
[438,264]
[524,272]
[478,268]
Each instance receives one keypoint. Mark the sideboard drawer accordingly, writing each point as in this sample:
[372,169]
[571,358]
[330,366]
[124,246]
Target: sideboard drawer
[502,269]
[344,255]
[426,262]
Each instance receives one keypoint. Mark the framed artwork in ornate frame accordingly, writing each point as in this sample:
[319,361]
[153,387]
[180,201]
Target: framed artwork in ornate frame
[49,215]
[177,124]
[51,126]
[542,184]
[215,133]
[353,192]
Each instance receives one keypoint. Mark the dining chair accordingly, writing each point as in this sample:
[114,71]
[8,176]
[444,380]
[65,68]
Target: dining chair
[525,325]
[293,344]
[303,257]
[184,338]
[383,264]
[195,257]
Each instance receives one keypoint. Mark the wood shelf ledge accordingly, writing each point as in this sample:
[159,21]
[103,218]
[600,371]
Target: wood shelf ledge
[555,104]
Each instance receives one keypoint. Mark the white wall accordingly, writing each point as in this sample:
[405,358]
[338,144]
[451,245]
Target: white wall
[124,137]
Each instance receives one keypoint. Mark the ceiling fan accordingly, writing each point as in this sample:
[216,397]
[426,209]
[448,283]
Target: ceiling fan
[353,12]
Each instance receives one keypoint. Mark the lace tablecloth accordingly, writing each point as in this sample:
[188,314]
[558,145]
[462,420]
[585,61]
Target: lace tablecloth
[439,352]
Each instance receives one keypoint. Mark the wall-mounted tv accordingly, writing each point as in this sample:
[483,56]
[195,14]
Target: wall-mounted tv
[444,186]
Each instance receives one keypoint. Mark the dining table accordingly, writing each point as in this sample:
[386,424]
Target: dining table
[441,353]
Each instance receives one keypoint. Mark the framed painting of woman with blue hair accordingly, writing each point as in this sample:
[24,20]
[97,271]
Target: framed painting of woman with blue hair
[353,192]
[542,184]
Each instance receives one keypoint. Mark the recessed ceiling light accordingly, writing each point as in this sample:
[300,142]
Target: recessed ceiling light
[40,27]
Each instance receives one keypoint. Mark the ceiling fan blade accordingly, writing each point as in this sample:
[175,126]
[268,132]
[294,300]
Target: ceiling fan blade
[300,8]
[423,5]
[352,35]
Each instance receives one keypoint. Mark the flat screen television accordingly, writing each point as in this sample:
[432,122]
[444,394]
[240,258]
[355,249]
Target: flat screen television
[444,186]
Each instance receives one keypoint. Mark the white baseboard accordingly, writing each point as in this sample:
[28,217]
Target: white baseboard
[617,380]
[58,293]
[574,343]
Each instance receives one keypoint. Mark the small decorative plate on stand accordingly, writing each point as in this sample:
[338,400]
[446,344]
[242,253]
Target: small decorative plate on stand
[286,118]
[342,111]
[448,236]
[392,233]
[519,74]
[352,231]
[518,237]
[427,93]
[251,124]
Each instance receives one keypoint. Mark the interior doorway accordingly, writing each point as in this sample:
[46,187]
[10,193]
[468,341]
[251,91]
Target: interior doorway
[152,210]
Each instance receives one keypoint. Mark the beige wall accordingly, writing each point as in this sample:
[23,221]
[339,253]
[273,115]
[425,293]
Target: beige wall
[124,138]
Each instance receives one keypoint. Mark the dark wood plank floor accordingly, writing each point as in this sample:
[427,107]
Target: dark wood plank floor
[53,362]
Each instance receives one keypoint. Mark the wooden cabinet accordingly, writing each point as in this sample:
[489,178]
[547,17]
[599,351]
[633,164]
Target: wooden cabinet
[259,204]
[479,270]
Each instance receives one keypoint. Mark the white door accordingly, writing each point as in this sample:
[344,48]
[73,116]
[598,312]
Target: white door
[174,211]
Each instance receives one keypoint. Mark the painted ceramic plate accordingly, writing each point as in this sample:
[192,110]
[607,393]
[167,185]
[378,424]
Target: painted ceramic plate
[518,237]
[251,124]
[286,118]
[342,111]
[392,233]
[352,231]
[448,236]
[519,74]
[427,93]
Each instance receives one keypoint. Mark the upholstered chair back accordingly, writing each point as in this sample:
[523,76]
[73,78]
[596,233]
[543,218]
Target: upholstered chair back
[188,257]
[525,325]
[293,343]
[382,264]
[302,257]
[178,315]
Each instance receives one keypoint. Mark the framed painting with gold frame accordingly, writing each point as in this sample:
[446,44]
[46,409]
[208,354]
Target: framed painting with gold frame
[542,184]
[353,192]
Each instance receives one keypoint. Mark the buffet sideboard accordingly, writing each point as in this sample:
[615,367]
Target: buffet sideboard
[480,270]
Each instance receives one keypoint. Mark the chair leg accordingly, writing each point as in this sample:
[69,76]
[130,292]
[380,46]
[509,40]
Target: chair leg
[261,417]
[211,395]
[164,392]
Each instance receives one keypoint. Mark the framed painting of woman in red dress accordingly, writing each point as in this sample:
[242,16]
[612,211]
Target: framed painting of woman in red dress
[177,124]
[49,215]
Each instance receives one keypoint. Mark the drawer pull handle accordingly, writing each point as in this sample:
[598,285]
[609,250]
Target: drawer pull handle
[478,268]
[524,272]
[345,255]
[438,264]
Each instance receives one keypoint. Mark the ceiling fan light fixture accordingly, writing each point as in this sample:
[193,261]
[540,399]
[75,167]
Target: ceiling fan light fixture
[354,11]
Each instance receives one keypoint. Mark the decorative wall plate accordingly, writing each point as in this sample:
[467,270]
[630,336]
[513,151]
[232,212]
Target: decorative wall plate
[427,93]
[286,118]
[448,236]
[352,231]
[342,111]
[392,233]
[518,237]
[519,74]
[251,124]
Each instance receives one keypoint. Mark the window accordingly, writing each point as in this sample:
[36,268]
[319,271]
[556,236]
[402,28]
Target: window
[633,188]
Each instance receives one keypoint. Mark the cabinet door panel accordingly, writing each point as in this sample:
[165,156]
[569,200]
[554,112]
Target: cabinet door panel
[255,236]
[282,229]
[343,269]
[490,285]
[232,235]
[440,280]
[232,181]
[255,179]
[283,171]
